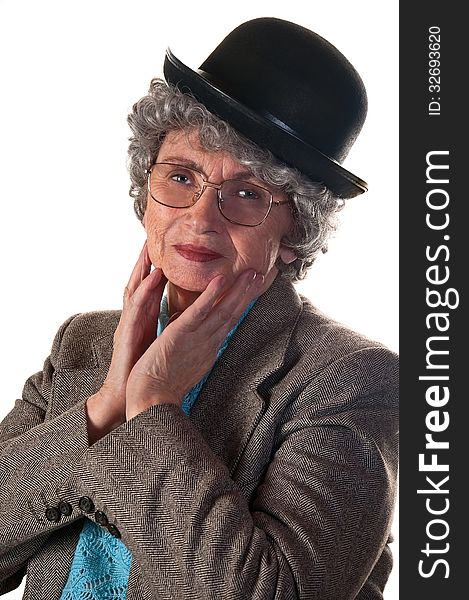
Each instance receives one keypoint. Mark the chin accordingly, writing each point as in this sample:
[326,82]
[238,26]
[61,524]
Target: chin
[192,281]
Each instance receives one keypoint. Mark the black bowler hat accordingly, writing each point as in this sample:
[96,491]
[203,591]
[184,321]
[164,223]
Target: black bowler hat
[286,89]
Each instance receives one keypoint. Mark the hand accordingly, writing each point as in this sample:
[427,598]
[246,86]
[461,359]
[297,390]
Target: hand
[134,334]
[188,346]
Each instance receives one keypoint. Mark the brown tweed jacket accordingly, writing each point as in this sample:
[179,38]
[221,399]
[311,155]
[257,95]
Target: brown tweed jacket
[280,485]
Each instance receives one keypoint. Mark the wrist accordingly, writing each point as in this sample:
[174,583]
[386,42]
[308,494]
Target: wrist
[144,394]
[103,414]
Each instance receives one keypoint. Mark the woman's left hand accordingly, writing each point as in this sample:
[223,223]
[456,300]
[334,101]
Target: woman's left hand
[188,346]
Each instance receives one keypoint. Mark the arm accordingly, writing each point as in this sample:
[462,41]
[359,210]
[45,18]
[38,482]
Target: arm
[36,455]
[39,453]
[314,528]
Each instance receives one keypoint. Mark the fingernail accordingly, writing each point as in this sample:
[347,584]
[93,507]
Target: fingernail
[250,279]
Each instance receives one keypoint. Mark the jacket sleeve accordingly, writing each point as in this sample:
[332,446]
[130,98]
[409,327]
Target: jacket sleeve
[36,455]
[316,525]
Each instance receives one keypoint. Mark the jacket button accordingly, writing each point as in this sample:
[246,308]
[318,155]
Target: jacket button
[86,504]
[101,518]
[53,514]
[113,530]
[65,508]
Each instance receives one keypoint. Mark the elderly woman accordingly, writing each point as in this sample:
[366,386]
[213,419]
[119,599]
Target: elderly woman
[219,438]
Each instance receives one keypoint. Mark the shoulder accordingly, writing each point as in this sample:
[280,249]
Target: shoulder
[83,337]
[341,378]
[309,347]
[328,346]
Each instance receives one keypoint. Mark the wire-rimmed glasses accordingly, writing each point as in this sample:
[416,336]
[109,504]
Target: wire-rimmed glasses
[240,202]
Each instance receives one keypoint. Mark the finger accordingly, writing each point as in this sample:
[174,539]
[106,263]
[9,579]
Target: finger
[248,283]
[173,317]
[140,271]
[219,308]
[148,294]
[198,311]
[228,310]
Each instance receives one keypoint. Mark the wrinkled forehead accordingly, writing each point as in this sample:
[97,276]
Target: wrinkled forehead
[187,147]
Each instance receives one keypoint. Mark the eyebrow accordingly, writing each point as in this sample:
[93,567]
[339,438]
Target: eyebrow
[186,162]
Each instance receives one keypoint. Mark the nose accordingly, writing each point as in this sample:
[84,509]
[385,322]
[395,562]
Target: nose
[204,216]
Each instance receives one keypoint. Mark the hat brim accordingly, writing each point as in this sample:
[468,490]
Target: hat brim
[264,130]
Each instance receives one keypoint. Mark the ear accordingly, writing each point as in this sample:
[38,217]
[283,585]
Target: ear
[287,255]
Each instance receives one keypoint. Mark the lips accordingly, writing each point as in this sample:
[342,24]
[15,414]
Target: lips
[197,253]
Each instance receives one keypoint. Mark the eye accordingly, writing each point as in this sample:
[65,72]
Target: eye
[244,191]
[248,194]
[182,179]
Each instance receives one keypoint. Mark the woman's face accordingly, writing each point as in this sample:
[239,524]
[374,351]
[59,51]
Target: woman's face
[193,245]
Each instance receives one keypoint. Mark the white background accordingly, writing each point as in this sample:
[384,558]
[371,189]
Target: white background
[70,73]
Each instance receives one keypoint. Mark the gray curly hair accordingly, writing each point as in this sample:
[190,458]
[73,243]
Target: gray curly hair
[313,206]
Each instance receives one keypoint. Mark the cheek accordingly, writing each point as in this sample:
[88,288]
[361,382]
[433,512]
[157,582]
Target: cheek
[266,243]
[155,228]
[258,251]
[271,249]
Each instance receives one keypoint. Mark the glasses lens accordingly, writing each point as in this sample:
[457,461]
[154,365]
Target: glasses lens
[174,185]
[244,203]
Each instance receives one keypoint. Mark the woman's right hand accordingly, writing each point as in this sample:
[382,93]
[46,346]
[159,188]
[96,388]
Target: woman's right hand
[135,332]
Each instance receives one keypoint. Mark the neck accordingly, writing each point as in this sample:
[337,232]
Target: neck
[179,299]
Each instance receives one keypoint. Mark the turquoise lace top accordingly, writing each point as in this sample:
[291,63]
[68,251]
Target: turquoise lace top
[101,564]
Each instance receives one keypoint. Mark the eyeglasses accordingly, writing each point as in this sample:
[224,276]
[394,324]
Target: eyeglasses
[240,202]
